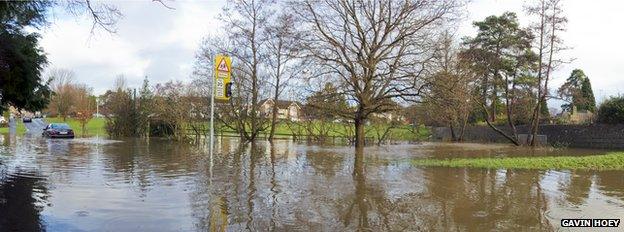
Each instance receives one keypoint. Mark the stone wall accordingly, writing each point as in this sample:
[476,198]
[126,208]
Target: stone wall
[580,136]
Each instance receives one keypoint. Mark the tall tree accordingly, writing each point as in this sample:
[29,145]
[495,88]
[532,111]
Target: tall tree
[501,55]
[282,41]
[588,96]
[550,23]
[145,108]
[375,51]
[21,58]
[245,21]
[63,87]
[577,92]
[450,97]
[83,106]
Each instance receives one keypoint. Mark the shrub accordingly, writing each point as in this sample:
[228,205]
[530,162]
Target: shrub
[612,111]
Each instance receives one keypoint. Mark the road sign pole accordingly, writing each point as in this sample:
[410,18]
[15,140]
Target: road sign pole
[220,88]
[212,92]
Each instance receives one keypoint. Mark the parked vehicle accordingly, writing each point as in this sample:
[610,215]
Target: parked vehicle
[26,119]
[3,121]
[58,130]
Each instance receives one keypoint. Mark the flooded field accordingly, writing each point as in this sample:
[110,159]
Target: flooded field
[158,185]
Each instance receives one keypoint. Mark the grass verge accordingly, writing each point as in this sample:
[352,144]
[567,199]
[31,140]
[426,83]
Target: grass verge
[20,130]
[94,127]
[609,161]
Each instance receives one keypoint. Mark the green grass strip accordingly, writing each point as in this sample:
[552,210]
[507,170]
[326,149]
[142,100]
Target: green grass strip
[20,129]
[609,161]
[95,126]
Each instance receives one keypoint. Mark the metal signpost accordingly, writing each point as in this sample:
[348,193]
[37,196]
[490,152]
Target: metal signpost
[221,89]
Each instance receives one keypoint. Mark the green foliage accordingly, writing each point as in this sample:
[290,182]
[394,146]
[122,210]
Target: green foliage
[121,117]
[501,55]
[612,111]
[21,58]
[544,109]
[327,104]
[588,95]
[610,161]
[20,128]
[578,92]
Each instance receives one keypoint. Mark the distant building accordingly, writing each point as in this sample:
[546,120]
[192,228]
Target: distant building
[577,117]
[288,110]
[391,115]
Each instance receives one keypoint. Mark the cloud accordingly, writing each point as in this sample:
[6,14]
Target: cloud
[592,35]
[151,41]
[161,43]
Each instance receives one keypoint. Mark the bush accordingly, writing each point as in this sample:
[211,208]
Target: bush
[612,111]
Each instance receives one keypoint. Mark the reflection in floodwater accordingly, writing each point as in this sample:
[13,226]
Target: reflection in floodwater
[158,185]
[22,197]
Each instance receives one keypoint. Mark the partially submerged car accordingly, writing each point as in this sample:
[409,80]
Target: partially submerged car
[58,130]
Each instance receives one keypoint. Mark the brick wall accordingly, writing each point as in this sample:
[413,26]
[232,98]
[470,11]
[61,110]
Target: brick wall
[580,136]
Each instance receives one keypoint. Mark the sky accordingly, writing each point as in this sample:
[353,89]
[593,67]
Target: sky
[161,43]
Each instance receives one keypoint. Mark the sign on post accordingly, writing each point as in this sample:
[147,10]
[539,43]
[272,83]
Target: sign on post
[223,71]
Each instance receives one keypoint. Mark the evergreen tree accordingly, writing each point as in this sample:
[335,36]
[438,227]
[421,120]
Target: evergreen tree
[144,110]
[588,96]
[577,92]
[21,58]
[544,109]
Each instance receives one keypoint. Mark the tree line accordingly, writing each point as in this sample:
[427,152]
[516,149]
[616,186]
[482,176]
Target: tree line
[378,56]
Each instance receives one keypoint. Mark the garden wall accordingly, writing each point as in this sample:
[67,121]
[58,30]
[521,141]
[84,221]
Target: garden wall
[580,136]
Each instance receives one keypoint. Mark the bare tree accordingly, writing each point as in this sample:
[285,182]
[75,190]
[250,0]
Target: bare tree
[84,106]
[104,16]
[282,58]
[172,108]
[375,51]
[245,21]
[449,98]
[551,22]
[62,85]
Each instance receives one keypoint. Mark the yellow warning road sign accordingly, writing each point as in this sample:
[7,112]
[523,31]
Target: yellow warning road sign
[223,72]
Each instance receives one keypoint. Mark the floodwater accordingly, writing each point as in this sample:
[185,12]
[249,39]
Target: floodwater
[157,185]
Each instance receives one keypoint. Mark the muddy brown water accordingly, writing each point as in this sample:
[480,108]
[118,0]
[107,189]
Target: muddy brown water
[157,185]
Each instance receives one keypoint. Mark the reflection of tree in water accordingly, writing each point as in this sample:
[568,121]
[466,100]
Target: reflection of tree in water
[253,189]
[325,163]
[61,157]
[486,200]
[361,202]
[143,162]
[576,191]
[368,208]
[611,183]
[22,197]
[215,194]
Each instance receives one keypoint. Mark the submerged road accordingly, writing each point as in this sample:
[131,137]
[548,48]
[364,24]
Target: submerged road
[35,127]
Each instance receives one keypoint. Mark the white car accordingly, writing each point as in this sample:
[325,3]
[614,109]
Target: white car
[2,120]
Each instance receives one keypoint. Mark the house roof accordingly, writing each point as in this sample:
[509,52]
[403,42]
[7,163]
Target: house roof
[281,103]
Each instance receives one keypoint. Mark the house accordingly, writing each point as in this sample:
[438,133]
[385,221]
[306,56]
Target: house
[290,110]
[577,117]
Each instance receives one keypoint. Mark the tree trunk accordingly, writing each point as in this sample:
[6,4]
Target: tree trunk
[273,117]
[499,131]
[359,133]
[453,136]
[463,129]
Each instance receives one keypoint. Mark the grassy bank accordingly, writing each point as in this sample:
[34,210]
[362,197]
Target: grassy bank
[403,132]
[94,127]
[21,129]
[609,161]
